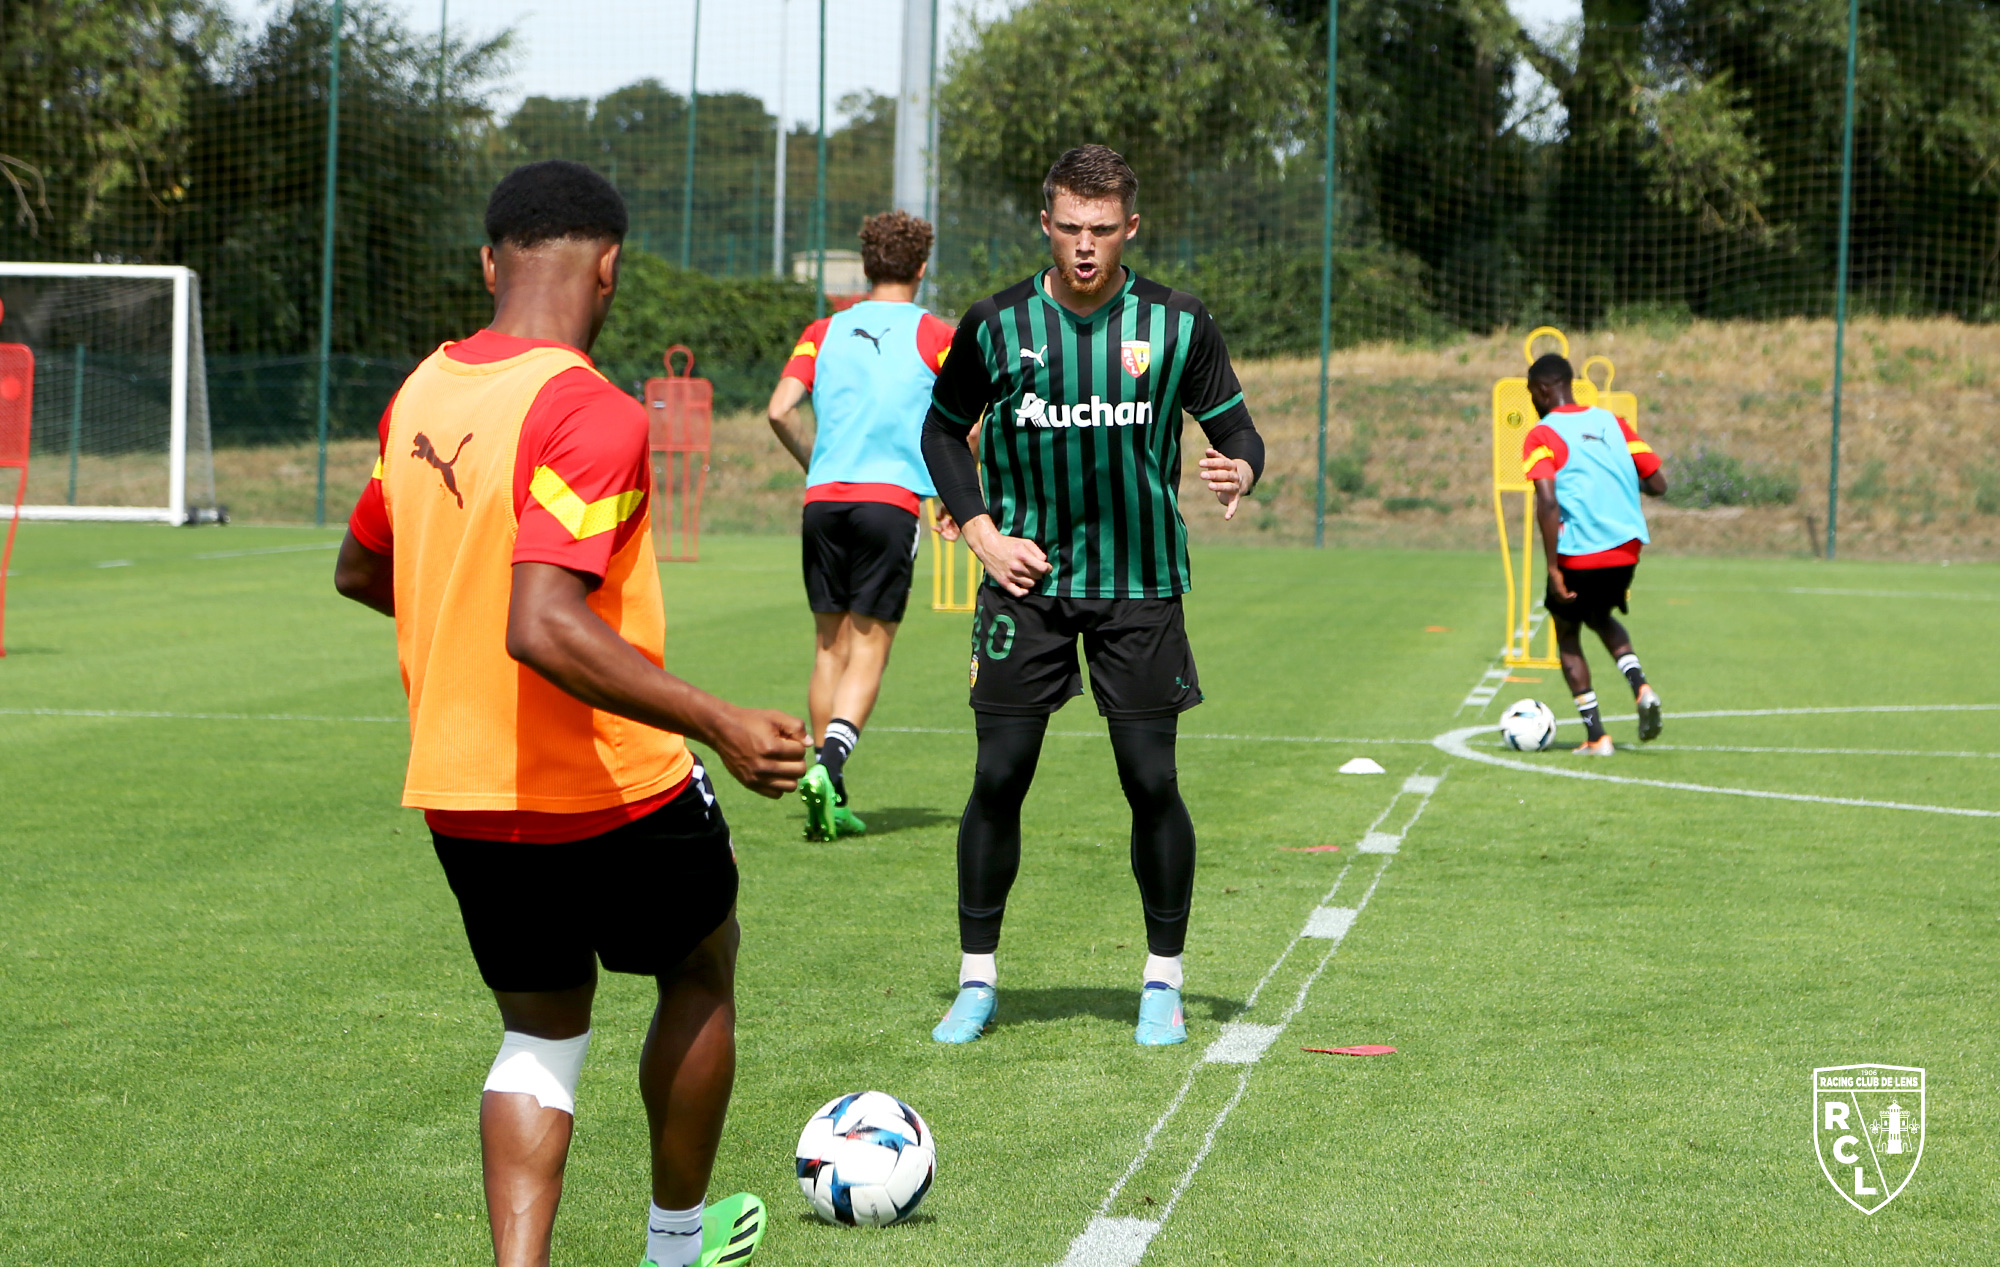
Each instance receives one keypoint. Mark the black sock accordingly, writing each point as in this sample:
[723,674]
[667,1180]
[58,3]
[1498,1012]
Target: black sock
[1593,725]
[841,736]
[1628,664]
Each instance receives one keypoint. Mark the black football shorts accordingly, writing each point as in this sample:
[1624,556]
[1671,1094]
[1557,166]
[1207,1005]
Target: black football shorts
[859,557]
[639,898]
[1024,655]
[1597,591]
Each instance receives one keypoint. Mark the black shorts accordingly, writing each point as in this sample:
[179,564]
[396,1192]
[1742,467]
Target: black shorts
[639,897]
[1597,591]
[859,557]
[1024,655]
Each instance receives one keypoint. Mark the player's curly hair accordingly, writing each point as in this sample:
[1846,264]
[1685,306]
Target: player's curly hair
[552,200]
[1550,368]
[894,245]
[1091,171]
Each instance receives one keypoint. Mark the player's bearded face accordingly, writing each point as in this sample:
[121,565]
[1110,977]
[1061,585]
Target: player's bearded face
[1087,238]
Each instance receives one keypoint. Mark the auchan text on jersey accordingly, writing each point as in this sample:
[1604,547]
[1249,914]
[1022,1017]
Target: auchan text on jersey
[1096,412]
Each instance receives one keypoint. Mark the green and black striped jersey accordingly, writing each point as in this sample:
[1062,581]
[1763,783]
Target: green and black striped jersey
[1081,446]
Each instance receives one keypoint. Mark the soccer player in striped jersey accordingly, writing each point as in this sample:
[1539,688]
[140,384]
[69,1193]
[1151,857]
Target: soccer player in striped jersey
[870,369]
[1589,466]
[1082,373]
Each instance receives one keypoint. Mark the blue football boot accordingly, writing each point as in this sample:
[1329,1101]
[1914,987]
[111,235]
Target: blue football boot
[1161,1023]
[971,1012]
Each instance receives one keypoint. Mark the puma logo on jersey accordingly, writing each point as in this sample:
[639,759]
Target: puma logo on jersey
[1037,356]
[428,452]
[1595,439]
[875,339]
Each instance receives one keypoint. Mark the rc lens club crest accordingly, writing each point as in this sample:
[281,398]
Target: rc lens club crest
[1868,1127]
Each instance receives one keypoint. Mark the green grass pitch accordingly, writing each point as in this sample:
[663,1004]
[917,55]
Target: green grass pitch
[238,1024]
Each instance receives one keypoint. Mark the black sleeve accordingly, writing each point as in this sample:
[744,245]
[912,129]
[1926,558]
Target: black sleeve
[961,395]
[1211,393]
[952,468]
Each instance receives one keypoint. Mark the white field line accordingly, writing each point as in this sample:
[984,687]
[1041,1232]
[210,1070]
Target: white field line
[1098,734]
[244,554]
[1813,752]
[145,713]
[1121,1242]
[1454,743]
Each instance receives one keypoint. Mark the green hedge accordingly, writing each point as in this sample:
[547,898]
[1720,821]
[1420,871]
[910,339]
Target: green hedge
[741,329]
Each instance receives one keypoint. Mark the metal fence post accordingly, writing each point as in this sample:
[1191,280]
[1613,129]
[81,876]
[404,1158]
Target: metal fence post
[326,258]
[819,193]
[1326,272]
[694,108]
[1840,283]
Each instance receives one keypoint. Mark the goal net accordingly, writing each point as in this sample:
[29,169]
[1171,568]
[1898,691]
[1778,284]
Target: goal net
[121,428]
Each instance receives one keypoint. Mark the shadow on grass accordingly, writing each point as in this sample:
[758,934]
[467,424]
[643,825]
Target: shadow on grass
[1055,1003]
[922,1218]
[903,818]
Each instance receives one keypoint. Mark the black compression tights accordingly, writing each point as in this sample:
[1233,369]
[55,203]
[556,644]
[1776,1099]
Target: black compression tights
[989,836]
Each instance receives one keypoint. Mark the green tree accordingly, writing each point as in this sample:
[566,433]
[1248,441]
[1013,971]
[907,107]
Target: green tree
[94,99]
[1182,90]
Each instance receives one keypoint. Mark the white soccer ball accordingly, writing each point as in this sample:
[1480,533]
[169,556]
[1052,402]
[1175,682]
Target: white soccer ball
[1528,725]
[866,1159]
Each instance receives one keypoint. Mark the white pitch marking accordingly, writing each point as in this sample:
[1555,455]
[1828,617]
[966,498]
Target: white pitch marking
[1330,923]
[1454,743]
[1379,842]
[1098,734]
[1104,1238]
[114,563]
[1242,1043]
[1421,784]
[140,713]
[1810,752]
[1970,598]
[244,554]
[1106,1242]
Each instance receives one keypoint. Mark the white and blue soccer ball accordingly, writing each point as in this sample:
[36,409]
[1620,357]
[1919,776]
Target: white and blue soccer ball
[866,1160]
[1528,725]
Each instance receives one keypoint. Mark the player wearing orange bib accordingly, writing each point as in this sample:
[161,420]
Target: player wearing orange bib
[506,530]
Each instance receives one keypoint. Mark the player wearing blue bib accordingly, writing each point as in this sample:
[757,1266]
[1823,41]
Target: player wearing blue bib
[1589,467]
[870,369]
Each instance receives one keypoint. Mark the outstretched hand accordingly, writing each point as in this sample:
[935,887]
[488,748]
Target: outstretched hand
[1228,478]
[945,526]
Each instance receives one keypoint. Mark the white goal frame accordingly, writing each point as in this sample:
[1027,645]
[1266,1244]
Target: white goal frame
[186,322]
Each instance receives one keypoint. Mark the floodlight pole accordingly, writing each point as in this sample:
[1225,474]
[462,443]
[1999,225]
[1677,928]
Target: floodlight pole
[326,257]
[1840,282]
[1326,274]
[778,193]
[694,108]
[444,13]
[819,193]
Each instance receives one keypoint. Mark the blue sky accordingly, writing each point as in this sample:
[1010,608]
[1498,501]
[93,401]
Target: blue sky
[584,48]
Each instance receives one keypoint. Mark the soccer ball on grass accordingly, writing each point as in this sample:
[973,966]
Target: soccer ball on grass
[1528,725]
[866,1159]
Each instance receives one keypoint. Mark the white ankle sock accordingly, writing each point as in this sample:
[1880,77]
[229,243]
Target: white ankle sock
[1163,970]
[979,968]
[673,1237]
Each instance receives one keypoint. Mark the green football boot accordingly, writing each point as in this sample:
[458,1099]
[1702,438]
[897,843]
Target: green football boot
[822,804]
[846,823]
[731,1230]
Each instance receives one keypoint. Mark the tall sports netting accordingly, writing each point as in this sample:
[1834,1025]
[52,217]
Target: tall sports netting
[121,391]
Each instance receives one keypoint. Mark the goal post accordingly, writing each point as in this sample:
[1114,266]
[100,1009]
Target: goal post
[124,391]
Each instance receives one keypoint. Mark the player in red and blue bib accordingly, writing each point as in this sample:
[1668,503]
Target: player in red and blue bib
[870,369]
[1589,467]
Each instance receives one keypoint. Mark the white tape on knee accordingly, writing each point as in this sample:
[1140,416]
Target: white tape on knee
[546,1068]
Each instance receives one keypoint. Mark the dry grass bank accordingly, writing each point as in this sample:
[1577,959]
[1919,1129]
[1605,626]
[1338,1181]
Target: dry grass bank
[1920,446]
